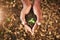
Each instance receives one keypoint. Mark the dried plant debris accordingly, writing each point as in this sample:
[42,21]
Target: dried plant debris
[12,29]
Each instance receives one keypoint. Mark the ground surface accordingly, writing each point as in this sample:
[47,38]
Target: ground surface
[48,30]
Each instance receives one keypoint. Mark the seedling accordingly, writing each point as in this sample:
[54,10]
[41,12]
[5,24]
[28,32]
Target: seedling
[32,21]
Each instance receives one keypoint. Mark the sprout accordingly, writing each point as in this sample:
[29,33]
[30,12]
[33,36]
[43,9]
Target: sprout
[32,20]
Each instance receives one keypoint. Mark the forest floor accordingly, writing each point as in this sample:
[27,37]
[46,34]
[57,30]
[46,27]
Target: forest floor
[48,30]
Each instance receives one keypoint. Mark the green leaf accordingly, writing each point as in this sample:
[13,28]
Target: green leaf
[31,21]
